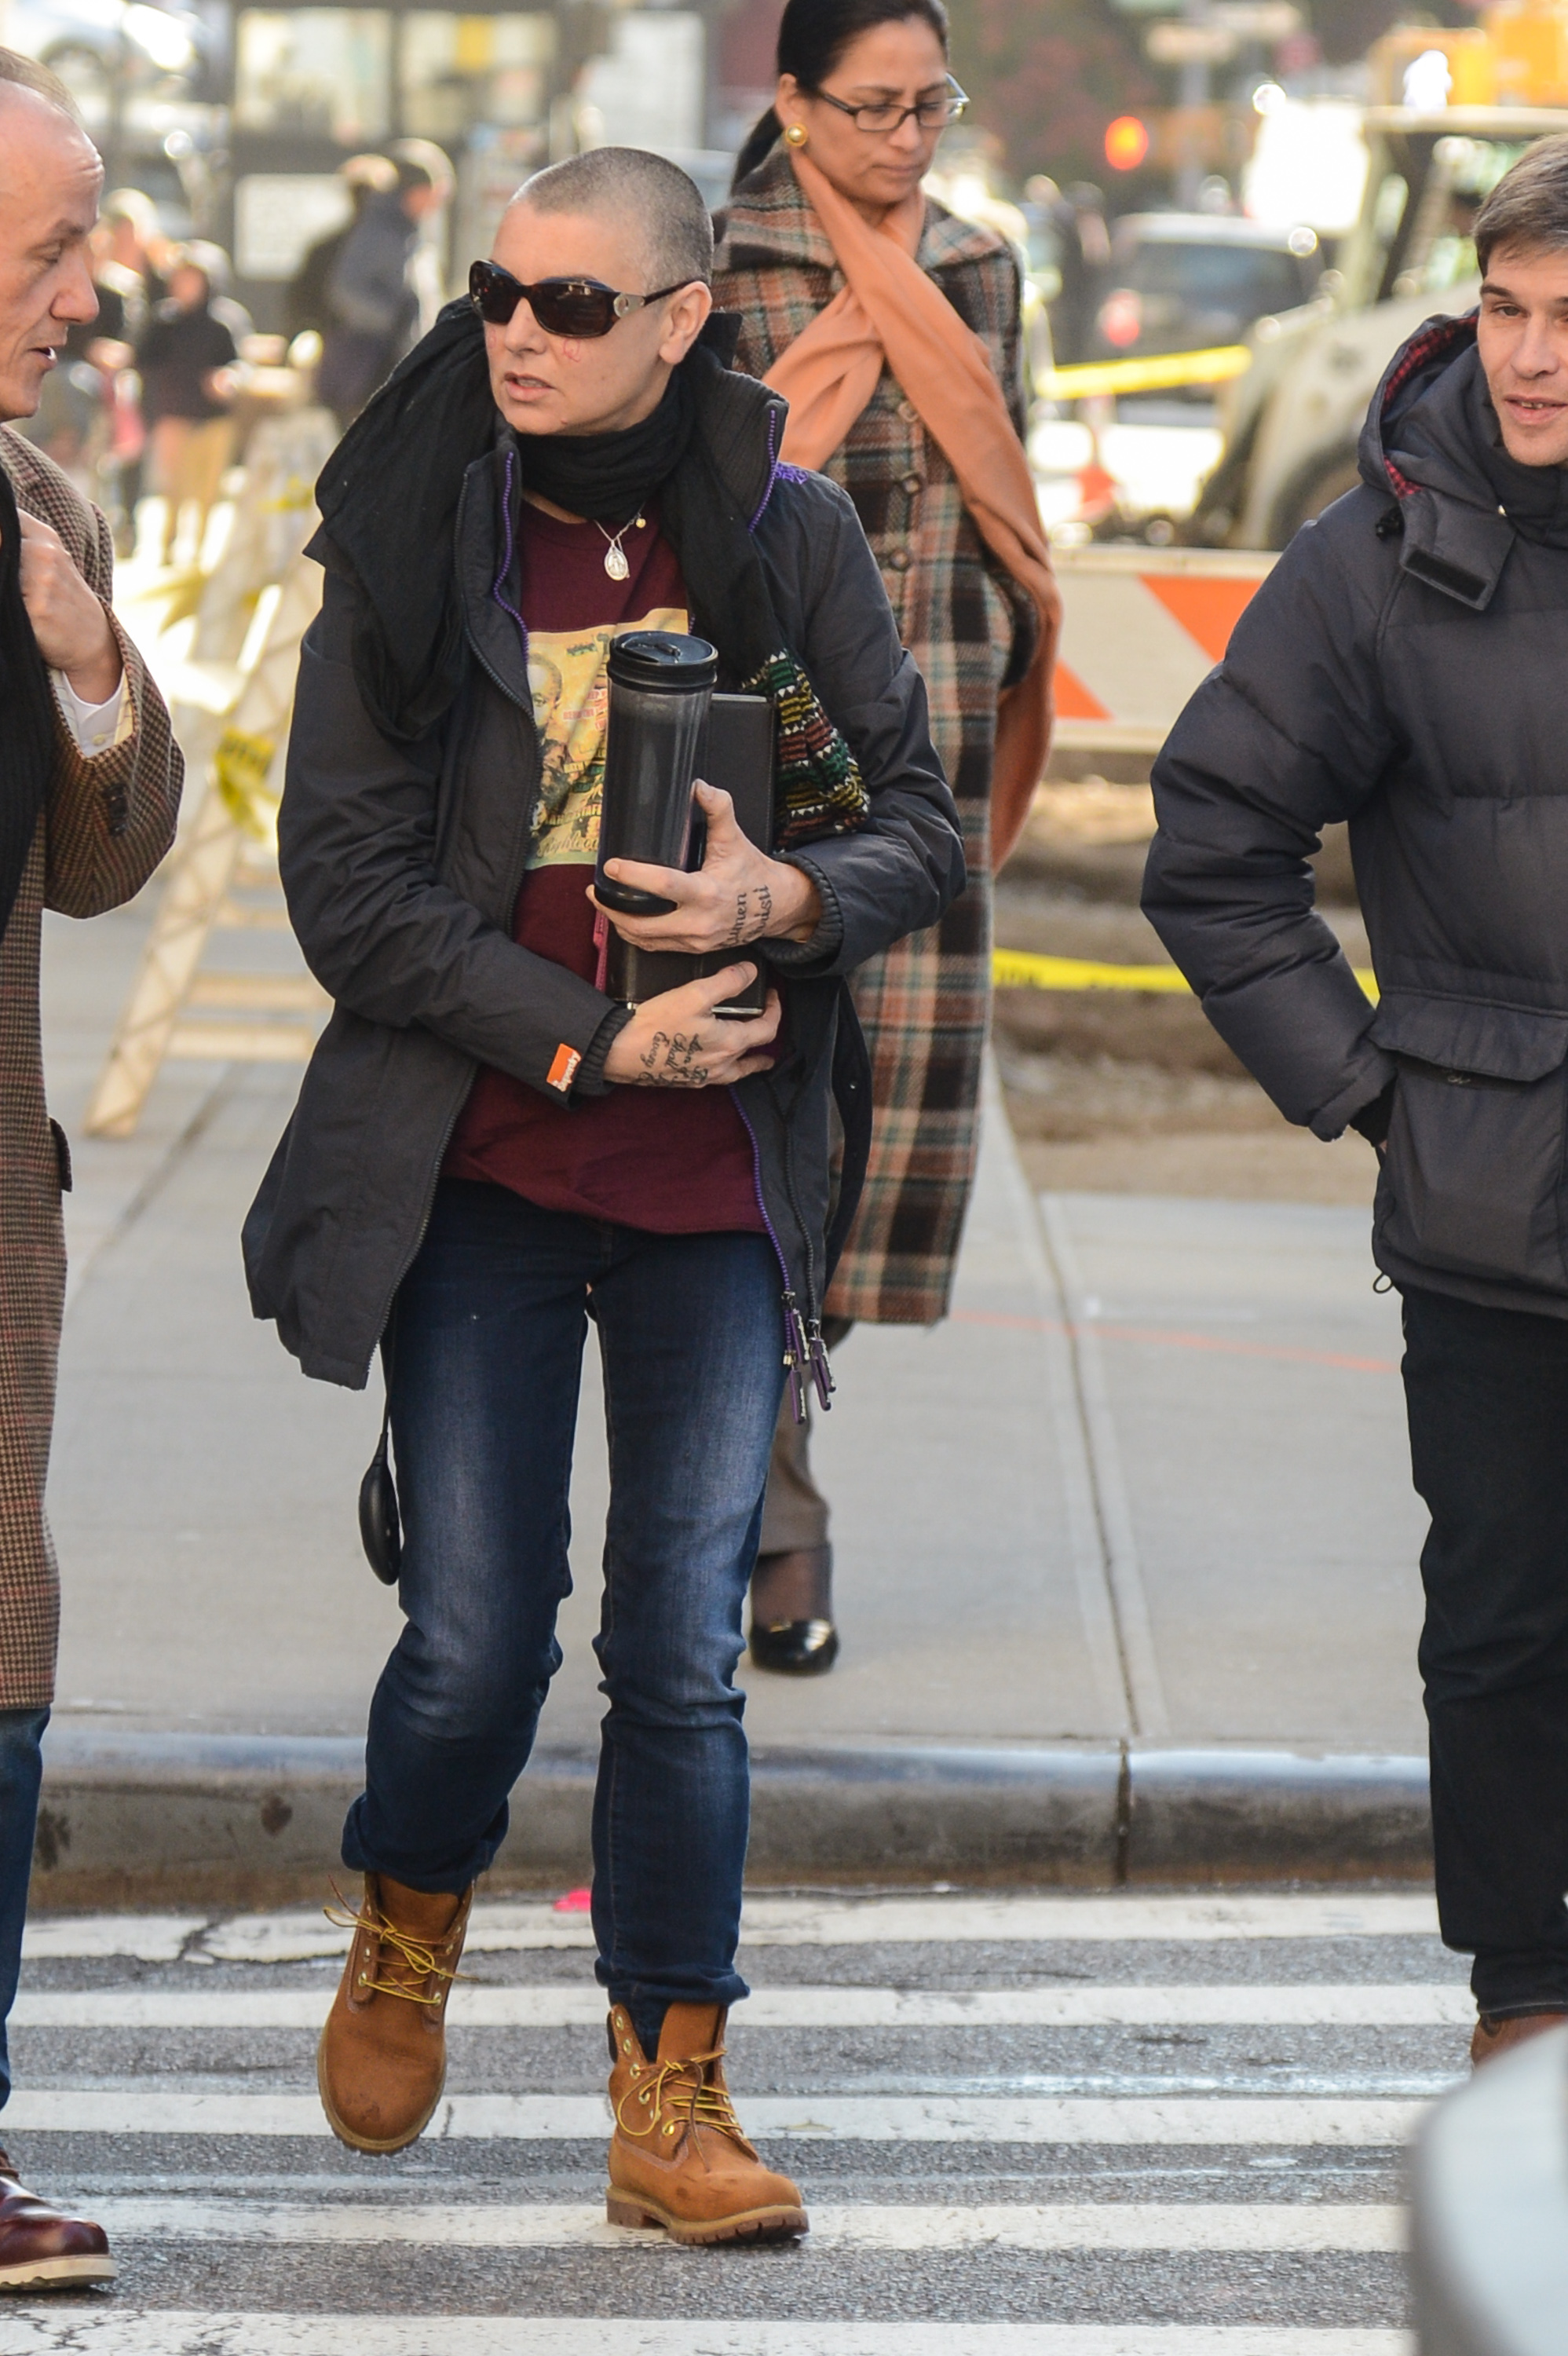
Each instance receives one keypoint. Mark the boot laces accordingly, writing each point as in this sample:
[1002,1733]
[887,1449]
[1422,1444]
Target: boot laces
[415,1953]
[697,2100]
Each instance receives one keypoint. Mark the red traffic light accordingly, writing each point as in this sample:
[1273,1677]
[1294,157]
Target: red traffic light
[1126,142]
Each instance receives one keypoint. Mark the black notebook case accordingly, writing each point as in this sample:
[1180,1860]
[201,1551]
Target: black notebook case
[738,755]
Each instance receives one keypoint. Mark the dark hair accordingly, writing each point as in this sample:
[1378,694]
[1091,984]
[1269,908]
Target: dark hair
[1528,207]
[813,36]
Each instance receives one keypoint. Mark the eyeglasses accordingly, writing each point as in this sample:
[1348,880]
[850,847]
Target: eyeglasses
[930,113]
[562,306]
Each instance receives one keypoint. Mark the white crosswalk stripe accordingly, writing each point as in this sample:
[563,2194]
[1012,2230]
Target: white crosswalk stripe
[855,2118]
[168,2332]
[779,1922]
[791,2008]
[1086,2225]
[1149,2106]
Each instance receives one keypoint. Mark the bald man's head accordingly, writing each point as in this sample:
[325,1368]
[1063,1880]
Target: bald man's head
[50,177]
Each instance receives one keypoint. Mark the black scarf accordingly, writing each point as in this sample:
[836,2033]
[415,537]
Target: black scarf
[27,712]
[388,498]
[609,475]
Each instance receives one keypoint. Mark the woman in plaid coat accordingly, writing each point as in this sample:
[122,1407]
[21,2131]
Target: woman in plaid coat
[924,1005]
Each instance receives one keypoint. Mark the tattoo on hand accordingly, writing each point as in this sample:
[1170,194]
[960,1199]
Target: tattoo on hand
[671,1062]
[753,913]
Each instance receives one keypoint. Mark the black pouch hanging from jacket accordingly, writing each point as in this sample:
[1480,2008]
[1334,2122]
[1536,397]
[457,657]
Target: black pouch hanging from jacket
[380,1523]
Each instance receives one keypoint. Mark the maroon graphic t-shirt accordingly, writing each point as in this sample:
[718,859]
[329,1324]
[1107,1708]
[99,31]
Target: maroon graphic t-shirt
[675,1161]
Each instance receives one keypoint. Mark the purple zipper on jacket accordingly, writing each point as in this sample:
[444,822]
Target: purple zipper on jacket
[499,582]
[798,1355]
[773,471]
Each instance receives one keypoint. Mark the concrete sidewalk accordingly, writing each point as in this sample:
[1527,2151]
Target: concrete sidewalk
[1136,1522]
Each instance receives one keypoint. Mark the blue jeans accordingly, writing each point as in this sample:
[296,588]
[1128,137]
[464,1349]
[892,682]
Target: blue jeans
[21,1773]
[486,1361]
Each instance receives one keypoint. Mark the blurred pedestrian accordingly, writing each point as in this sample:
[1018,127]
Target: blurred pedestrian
[138,245]
[1402,668]
[186,361]
[905,385]
[370,292]
[307,303]
[138,251]
[488,1147]
[1077,216]
[88,788]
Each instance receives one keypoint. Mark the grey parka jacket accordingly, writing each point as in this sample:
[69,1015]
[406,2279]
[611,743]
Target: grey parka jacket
[1404,666]
[402,865]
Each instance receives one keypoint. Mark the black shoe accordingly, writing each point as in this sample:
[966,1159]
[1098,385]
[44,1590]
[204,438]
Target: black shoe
[799,1648]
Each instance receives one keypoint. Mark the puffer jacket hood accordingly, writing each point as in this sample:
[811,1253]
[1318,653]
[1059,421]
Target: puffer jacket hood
[1433,443]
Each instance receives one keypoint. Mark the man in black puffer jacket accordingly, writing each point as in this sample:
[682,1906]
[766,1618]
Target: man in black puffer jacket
[1405,668]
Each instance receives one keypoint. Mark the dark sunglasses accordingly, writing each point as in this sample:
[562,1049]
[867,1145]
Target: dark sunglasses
[563,306]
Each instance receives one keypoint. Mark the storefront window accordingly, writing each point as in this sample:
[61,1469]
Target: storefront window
[322,72]
[456,71]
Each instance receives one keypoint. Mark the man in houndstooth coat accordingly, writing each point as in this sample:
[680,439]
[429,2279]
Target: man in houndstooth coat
[89,783]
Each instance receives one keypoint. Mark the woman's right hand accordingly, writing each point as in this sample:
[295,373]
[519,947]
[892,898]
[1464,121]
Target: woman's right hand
[676,1040]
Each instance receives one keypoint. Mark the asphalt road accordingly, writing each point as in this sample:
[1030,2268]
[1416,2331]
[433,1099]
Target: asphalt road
[1071,2126]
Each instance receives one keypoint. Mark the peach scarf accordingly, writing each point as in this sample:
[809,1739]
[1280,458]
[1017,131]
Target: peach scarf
[889,310]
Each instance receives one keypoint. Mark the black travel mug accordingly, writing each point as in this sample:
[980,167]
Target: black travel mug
[660,688]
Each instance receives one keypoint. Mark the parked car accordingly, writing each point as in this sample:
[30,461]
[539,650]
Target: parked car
[1188,282]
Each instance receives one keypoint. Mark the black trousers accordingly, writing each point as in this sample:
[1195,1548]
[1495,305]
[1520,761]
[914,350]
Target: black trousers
[1487,1391]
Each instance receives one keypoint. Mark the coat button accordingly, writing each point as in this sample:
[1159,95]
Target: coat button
[909,413]
[898,560]
[912,483]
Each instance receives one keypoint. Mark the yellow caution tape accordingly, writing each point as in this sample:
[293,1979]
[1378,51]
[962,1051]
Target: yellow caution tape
[1162,372]
[1019,970]
[240,769]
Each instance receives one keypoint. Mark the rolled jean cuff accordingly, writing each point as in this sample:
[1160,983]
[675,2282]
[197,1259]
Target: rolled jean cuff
[644,1997]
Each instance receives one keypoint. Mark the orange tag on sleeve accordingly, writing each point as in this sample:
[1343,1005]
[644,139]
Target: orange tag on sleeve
[563,1067]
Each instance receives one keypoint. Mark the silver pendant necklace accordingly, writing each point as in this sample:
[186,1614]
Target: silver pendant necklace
[615,563]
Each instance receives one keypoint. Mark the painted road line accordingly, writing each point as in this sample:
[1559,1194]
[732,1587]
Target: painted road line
[77,1938]
[301,1935]
[1186,2119]
[121,2331]
[780,1921]
[1085,2225]
[1402,2006]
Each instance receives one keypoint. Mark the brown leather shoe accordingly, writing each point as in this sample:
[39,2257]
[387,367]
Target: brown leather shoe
[1495,2037]
[41,2247]
[677,2157]
[381,2063]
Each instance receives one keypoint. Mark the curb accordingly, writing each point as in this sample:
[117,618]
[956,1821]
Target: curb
[245,1819]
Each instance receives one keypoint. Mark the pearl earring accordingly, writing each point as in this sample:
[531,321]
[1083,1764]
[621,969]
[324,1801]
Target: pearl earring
[796,135]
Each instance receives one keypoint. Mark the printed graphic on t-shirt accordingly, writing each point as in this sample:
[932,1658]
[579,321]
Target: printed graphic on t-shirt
[570,679]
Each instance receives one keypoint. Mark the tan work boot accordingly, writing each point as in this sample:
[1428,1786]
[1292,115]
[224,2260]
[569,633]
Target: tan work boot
[381,2063]
[677,2157]
[1495,2037]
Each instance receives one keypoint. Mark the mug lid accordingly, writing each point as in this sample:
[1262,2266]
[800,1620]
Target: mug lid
[663,659]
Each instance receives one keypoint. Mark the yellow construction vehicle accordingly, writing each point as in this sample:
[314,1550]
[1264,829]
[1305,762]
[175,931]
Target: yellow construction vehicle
[1292,420]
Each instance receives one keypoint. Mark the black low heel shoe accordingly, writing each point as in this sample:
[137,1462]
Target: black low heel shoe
[800,1648]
